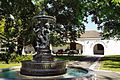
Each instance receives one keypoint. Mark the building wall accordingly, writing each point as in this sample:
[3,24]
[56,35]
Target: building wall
[55,49]
[111,47]
[28,49]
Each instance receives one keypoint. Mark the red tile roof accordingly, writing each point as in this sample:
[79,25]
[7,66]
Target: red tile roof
[90,34]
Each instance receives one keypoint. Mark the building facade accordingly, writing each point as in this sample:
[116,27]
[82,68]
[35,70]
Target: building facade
[91,43]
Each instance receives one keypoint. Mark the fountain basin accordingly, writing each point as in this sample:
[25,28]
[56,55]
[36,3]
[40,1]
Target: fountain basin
[46,68]
[73,73]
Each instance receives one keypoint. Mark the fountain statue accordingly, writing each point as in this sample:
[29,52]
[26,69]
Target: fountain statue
[43,63]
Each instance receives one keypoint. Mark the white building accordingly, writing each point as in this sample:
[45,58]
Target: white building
[91,43]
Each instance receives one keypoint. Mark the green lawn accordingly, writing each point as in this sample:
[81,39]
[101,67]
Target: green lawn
[111,63]
[9,65]
[70,58]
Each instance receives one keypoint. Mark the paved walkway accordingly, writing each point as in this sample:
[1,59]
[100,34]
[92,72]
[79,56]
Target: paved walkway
[106,75]
[93,63]
[86,62]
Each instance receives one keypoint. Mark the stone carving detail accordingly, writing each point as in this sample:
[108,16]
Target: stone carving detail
[42,31]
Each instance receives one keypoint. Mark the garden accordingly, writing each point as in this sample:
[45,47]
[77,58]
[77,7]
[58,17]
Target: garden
[111,63]
[17,31]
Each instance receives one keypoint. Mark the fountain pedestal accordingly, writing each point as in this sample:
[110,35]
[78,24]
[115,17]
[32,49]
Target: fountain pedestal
[32,68]
[43,63]
[45,55]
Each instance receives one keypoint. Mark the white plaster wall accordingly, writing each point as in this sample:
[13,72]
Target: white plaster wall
[55,49]
[88,47]
[111,47]
[28,49]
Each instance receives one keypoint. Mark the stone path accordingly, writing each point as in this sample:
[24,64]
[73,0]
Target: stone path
[86,62]
[106,75]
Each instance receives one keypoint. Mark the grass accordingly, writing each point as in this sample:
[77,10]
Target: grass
[111,63]
[70,58]
[3,65]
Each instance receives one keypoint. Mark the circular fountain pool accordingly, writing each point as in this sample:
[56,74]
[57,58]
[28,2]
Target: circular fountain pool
[73,73]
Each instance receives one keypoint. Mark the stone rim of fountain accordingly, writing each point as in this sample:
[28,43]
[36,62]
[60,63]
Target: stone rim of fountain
[89,76]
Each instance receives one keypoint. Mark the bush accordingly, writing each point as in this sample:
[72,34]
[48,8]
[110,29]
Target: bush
[19,58]
[5,57]
[14,57]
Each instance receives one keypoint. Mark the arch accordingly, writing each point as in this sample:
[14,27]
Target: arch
[98,49]
[79,47]
[98,42]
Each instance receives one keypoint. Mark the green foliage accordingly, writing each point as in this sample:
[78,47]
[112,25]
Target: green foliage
[9,65]
[116,1]
[110,63]
[70,58]
[20,58]
[106,16]
[2,24]
[5,57]
[112,58]
[70,15]
[56,39]
[18,15]
[8,58]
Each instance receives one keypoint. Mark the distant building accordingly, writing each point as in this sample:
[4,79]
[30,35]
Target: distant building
[91,43]
[29,49]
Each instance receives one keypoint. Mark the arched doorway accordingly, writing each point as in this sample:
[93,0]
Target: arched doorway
[76,46]
[98,49]
[79,47]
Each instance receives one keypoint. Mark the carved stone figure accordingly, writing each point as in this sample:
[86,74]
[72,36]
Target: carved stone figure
[42,32]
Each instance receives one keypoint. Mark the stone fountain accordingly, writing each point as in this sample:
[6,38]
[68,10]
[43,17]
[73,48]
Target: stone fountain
[43,63]
[43,66]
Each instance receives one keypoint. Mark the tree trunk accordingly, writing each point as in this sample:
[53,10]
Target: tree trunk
[19,46]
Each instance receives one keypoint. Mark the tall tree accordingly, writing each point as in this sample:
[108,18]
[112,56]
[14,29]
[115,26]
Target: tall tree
[22,12]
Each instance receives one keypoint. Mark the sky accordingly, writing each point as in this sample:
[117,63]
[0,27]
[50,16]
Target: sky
[90,25]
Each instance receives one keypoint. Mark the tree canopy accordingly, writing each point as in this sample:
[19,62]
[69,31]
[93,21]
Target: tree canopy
[107,16]
[70,15]
[16,15]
